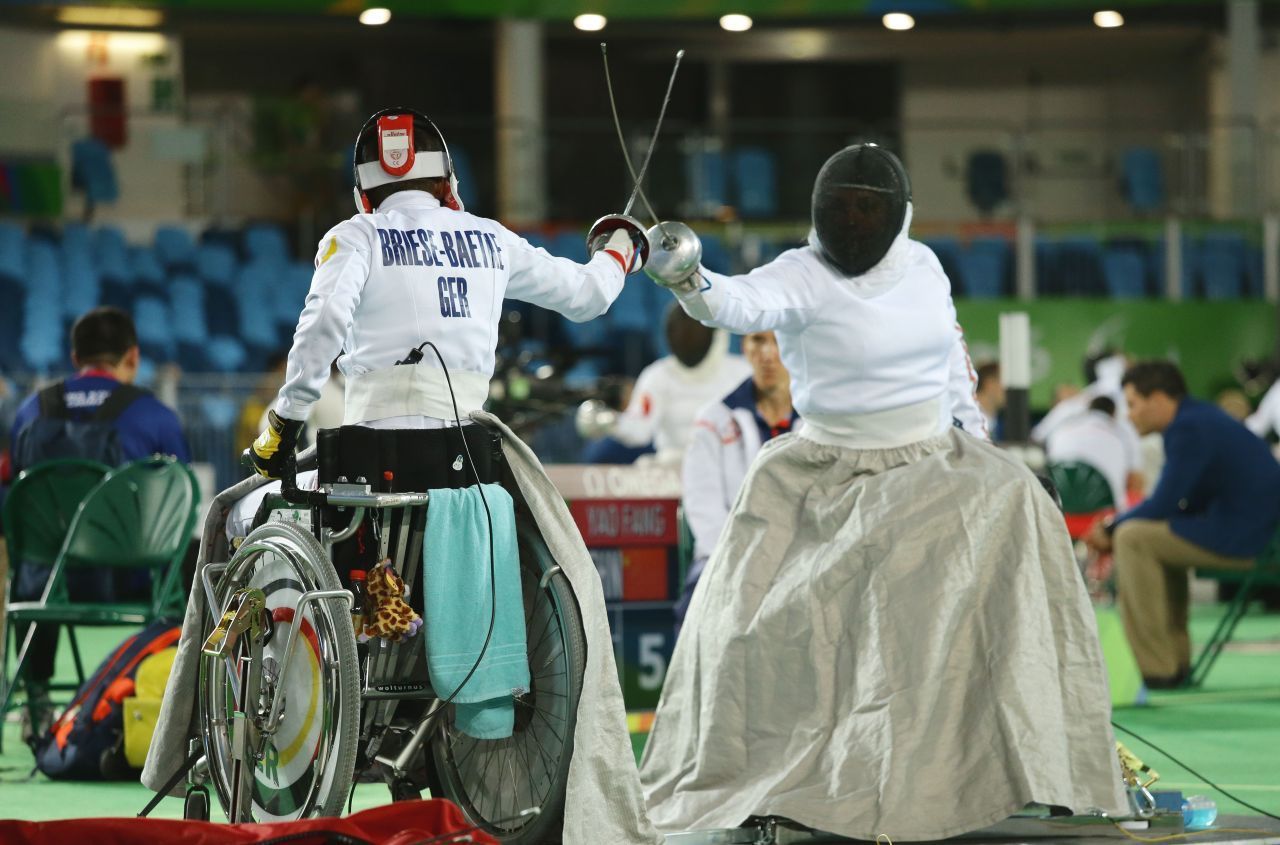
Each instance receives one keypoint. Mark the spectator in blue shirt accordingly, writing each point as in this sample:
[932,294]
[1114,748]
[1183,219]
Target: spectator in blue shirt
[1216,506]
[104,349]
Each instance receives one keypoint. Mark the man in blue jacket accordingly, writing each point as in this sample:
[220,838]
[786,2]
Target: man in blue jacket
[96,414]
[1216,506]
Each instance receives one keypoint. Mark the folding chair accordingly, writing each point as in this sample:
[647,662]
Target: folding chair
[1265,572]
[1086,494]
[38,512]
[139,516]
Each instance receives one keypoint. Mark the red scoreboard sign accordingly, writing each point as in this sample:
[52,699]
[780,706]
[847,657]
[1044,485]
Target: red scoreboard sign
[626,522]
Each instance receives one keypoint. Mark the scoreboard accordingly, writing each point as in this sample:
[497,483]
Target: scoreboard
[629,517]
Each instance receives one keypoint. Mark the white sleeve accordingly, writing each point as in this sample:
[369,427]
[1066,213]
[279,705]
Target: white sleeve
[1057,415]
[1267,418]
[962,381]
[706,502]
[778,296]
[636,425]
[342,268]
[580,292]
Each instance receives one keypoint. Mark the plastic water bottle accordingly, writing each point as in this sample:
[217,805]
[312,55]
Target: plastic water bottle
[1198,812]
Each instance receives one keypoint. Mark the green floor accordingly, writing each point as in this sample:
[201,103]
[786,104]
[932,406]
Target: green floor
[1229,731]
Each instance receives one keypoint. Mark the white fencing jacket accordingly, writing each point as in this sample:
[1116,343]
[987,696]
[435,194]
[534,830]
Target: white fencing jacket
[668,395]
[860,345]
[725,440]
[413,271]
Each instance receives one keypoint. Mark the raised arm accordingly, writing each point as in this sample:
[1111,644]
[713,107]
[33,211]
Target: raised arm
[580,292]
[342,268]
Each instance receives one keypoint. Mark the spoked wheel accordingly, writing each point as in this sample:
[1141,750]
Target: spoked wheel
[493,780]
[307,765]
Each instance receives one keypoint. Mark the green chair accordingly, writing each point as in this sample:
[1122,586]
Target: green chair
[1083,488]
[37,515]
[1265,573]
[139,516]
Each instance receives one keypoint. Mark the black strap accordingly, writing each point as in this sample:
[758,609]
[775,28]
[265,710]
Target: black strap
[115,404]
[53,401]
[163,792]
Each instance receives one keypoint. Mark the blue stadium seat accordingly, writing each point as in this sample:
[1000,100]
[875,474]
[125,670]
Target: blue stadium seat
[706,179]
[155,331]
[1079,268]
[219,410]
[1125,272]
[947,250]
[266,242]
[987,179]
[112,254]
[13,296]
[186,306]
[756,182]
[1222,265]
[634,307]
[82,289]
[12,251]
[225,354]
[715,257]
[569,244]
[42,337]
[1142,178]
[984,267]
[174,248]
[76,239]
[256,281]
[216,264]
[148,274]
[92,171]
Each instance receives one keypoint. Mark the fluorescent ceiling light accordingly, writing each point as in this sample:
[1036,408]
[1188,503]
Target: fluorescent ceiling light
[589,23]
[109,16]
[376,16]
[735,23]
[899,21]
[1108,19]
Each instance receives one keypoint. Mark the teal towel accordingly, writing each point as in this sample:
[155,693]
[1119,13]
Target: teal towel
[455,560]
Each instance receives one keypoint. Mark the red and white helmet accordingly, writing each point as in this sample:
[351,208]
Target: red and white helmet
[398,145]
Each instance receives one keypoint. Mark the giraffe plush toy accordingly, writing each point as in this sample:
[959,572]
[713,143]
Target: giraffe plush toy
[387,615]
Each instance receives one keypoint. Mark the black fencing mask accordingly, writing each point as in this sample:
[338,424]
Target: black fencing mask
[859,204]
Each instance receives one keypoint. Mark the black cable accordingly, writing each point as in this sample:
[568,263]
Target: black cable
[1178,762]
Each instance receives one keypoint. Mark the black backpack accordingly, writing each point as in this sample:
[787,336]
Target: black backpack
[54,434]
[86,742]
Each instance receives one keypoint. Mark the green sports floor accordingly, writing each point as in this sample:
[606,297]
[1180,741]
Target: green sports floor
[1229,731]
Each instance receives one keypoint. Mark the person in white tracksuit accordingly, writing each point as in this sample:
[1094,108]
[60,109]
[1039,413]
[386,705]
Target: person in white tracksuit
[414,267]
[891,637]
[727,434]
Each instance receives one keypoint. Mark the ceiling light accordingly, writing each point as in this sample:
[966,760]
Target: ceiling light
[109,16]
[375,17]
[735,23]
[589,23]
[899,21]
[1108,19]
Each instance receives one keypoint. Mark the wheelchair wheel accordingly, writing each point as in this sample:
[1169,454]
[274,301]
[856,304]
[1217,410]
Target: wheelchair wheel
[493,780]
[307,766]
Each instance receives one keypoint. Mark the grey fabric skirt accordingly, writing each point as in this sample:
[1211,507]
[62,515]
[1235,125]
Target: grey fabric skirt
[888,641]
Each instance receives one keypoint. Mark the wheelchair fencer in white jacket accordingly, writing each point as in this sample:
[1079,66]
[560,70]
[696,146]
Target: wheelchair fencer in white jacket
[414,267]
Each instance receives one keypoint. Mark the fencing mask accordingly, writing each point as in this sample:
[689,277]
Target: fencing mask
[859,204]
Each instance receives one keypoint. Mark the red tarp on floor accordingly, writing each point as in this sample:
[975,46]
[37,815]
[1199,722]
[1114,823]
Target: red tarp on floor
[402,823]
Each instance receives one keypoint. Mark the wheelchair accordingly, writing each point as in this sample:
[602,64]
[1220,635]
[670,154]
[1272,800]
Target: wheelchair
[291,711]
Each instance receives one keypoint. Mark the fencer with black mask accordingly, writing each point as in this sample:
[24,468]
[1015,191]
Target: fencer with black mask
[891,636]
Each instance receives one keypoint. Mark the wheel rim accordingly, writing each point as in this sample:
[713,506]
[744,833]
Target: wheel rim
[296,772]
[493,780]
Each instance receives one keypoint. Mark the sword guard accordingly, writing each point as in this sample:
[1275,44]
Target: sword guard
[607,225]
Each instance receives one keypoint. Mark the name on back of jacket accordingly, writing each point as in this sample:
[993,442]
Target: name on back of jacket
[428,248]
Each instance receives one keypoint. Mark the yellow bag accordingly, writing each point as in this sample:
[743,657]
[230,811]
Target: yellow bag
[142,710]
